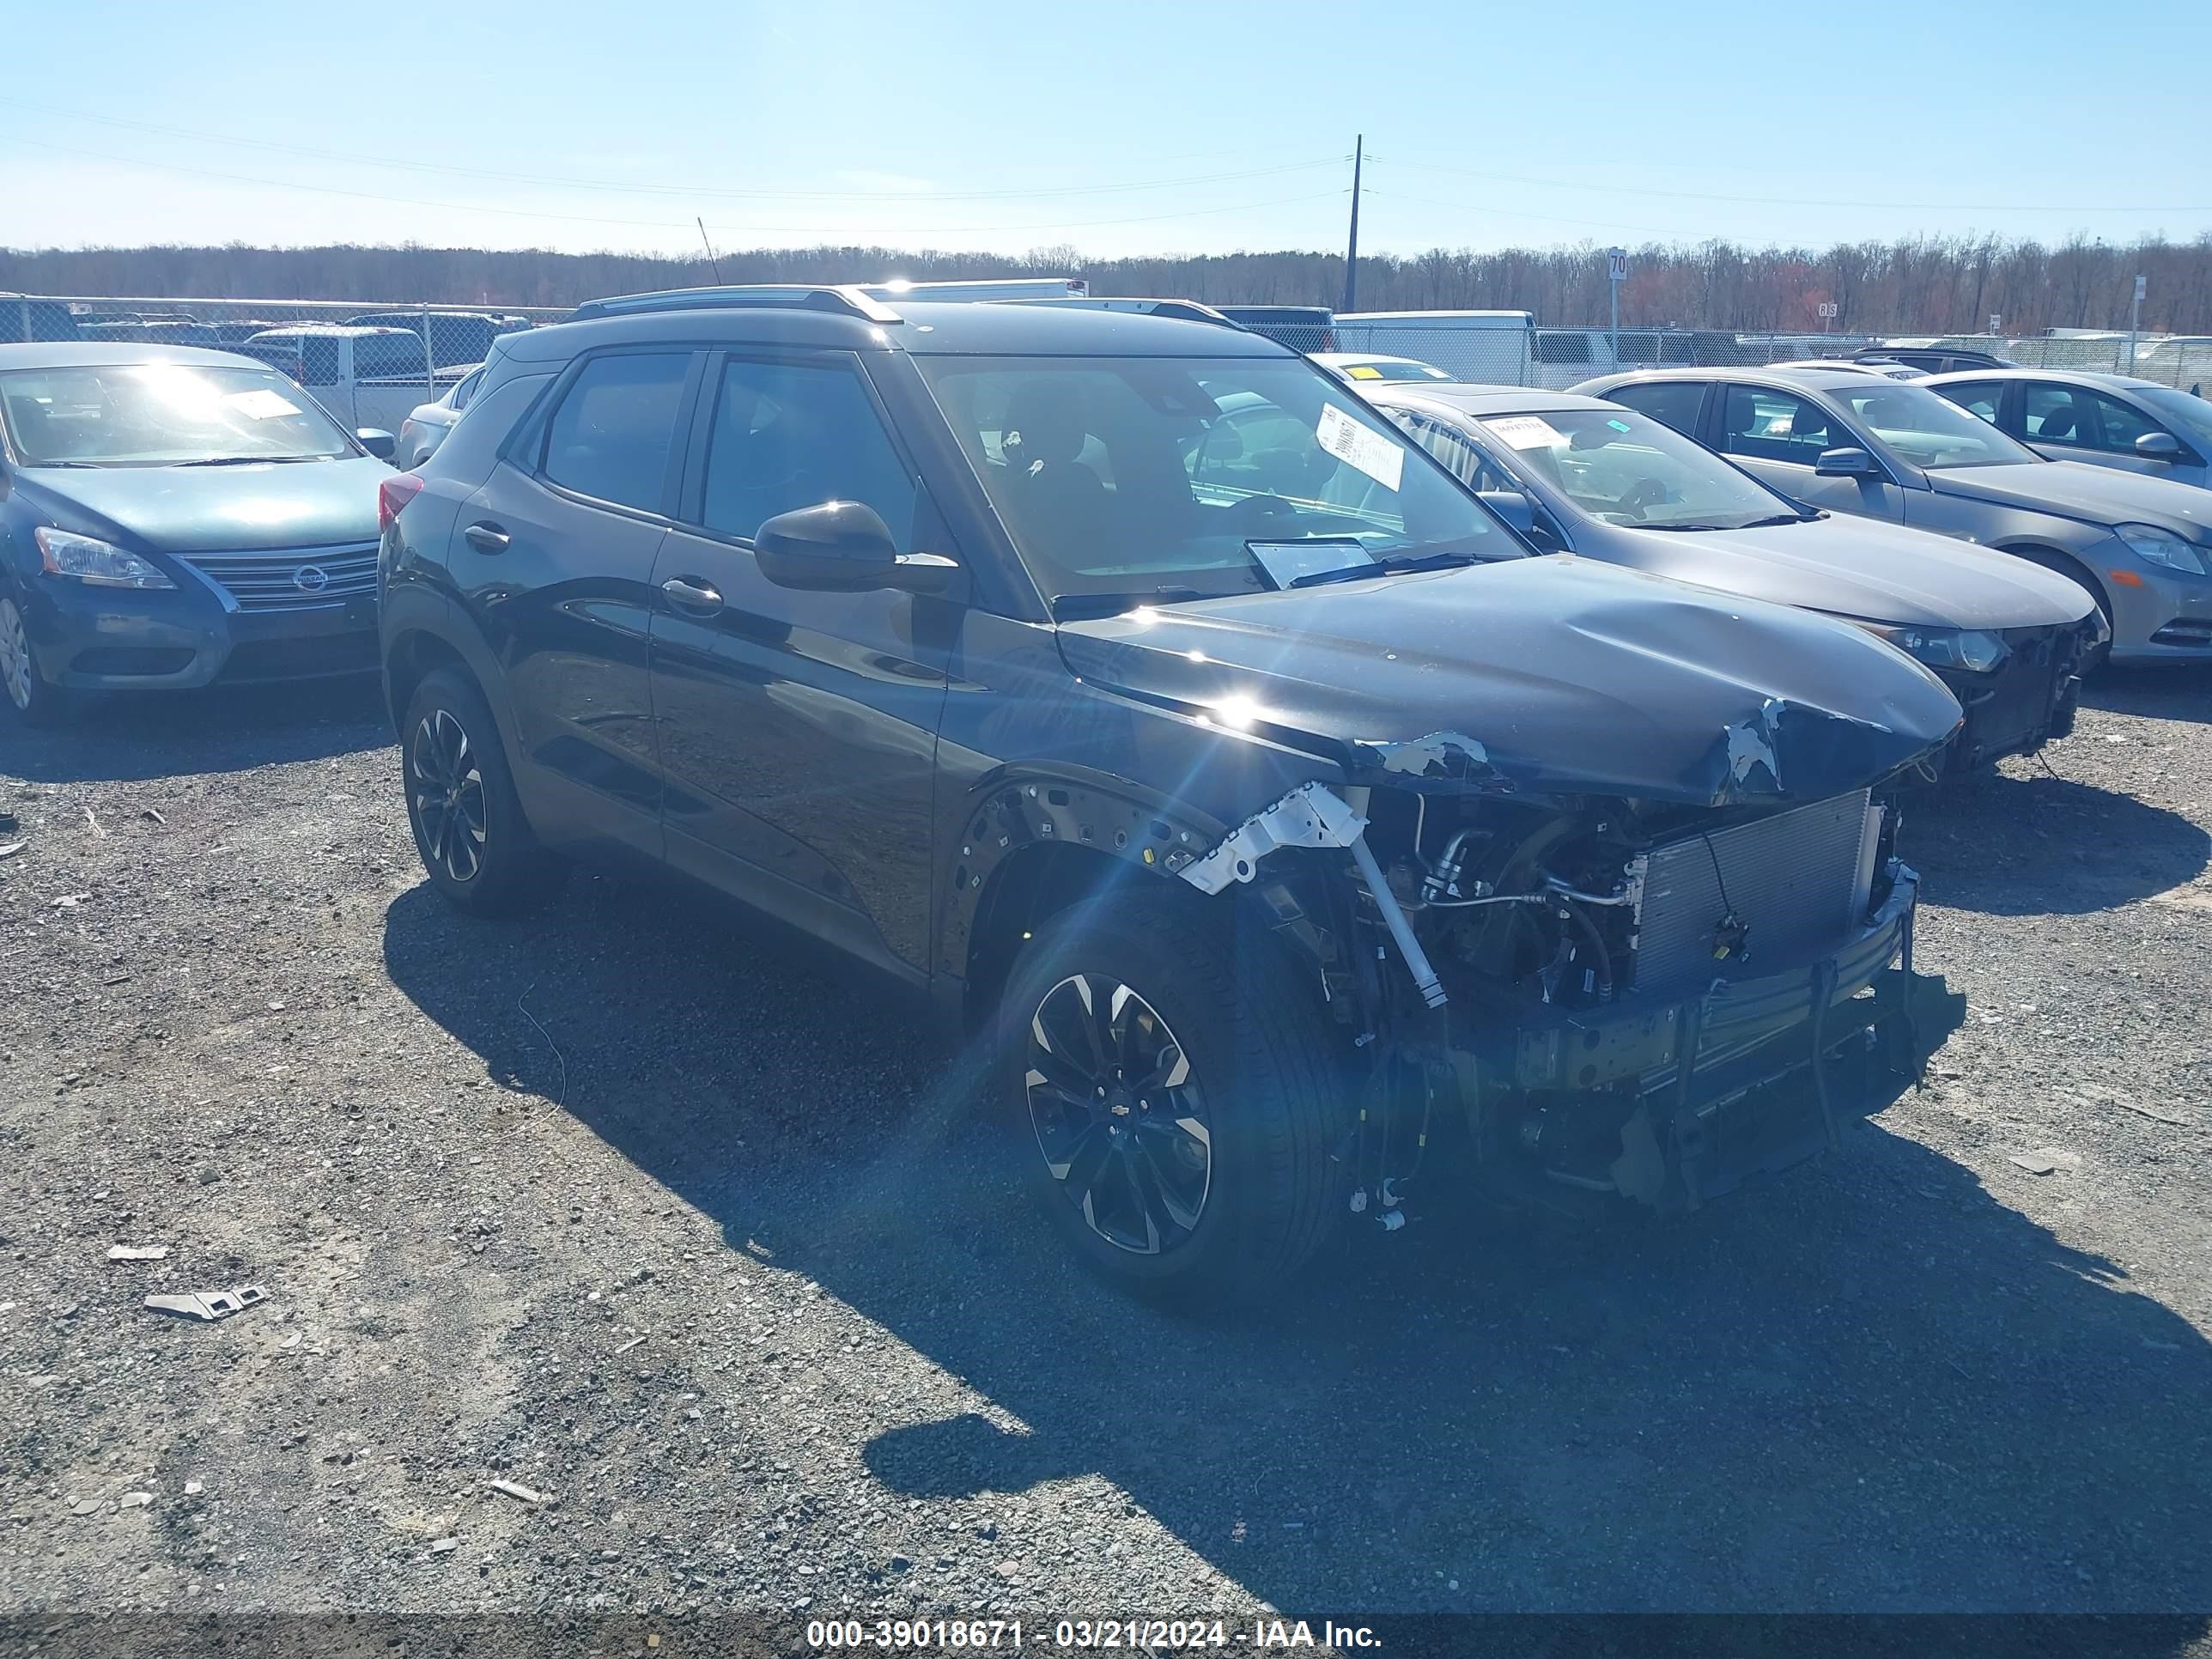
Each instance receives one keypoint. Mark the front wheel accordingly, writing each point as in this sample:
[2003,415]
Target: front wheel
[1169,1094]
[33,699]
[470,830]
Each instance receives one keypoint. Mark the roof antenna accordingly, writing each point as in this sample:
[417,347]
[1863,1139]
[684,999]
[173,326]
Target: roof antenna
[713,263]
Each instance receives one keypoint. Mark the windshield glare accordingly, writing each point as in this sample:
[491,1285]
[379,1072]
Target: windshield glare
[2184,411]
[1928,429]
[1123,477]
[162,414]
[1624,468]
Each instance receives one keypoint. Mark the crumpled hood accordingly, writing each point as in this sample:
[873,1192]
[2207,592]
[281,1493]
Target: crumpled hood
[1557,675]
[195,509]
[2093,495]
[1855,567]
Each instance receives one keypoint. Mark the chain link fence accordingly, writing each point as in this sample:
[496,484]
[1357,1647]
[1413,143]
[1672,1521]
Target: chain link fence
[371,365]
[368,365]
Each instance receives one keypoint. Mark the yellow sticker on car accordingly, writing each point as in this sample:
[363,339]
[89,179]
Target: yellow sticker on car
[1364,372]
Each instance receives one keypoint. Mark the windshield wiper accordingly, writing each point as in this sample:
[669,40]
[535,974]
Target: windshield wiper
[250,460]
[1398,565]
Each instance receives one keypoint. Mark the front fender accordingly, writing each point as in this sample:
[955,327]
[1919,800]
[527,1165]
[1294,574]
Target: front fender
[1020,806]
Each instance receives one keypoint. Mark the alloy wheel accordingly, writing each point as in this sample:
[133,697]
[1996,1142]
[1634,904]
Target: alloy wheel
[445,786]
[16,668]
[1120,1121]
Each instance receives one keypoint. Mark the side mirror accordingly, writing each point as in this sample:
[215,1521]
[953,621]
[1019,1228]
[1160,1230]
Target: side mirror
[1516,508]
[1847,464]
[377,442]
[844,547]
[2159,447]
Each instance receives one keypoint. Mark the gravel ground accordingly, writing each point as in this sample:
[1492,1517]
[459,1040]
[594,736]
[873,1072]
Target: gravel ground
[645,1207]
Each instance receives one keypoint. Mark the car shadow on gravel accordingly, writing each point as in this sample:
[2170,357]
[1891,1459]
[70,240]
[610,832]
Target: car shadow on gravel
[1871,1384]
[2159,694]
[220,729]
[2041,845]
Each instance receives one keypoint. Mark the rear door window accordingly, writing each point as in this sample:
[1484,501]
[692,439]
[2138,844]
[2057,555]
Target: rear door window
[1981,397]
[612,437]
[1768,425]
[2053,414]
[1675,403]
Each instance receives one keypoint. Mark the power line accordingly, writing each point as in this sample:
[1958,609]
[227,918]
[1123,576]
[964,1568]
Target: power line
[1786,201]
[1485,210]
[563,182]
[660,224]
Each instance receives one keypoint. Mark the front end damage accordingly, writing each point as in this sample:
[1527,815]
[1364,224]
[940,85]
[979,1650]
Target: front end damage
[1602,995]
[1657,876]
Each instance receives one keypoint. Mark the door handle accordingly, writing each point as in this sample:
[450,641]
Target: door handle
[486,537]
[690,595]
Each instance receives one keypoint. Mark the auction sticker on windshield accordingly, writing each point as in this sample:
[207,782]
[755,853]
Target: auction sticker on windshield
[1527,431]
[1355,445]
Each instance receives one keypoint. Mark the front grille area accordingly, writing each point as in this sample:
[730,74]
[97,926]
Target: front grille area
[2008,709]
[1791,883]
[301,660]
[287,580]
[2184,632]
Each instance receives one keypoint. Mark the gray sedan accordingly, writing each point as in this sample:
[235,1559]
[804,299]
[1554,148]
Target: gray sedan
[2106,420]
[1882,449]
[1594,478]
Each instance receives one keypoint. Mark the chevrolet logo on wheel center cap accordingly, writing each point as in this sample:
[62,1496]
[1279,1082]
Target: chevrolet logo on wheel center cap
[310,579]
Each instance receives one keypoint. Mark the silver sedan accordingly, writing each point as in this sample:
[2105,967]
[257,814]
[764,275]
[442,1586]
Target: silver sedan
[1884,449]
[2105,420]
[1594,478]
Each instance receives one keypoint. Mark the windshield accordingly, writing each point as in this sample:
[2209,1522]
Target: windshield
[162,414]
[1927,429]
[2189,414]
[1126,477]
[1625,468]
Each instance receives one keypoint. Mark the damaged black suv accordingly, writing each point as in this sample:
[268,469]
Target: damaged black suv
[1282,831]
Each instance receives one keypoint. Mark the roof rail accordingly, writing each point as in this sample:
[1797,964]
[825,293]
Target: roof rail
[1189,311]
[852,301]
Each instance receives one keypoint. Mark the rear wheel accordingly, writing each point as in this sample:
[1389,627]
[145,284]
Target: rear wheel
[469,826]
[1169,1096]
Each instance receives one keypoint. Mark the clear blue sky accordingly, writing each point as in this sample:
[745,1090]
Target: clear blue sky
[1122,127]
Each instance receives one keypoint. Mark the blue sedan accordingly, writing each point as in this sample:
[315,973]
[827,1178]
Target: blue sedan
[170,517]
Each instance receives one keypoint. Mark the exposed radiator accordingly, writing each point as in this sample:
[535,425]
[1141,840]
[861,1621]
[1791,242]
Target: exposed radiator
[1794,884]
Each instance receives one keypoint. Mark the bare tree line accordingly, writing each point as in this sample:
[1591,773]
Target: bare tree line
[1947,284]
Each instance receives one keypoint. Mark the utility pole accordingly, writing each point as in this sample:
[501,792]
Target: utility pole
[1616,272]
[1351,250]
[2135,325]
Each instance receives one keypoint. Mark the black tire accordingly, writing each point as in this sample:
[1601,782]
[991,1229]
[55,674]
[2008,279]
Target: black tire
[475,843]
[1260,1083]
[24,692]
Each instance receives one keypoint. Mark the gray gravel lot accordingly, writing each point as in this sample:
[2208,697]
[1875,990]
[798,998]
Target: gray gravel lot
[646,1206]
